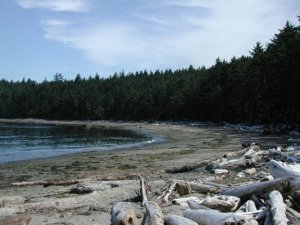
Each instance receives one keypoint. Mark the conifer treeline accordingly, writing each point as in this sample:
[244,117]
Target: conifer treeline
[261,88]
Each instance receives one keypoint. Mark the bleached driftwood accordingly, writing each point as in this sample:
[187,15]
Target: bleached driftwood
[143,191]
[18,219]
[203,188]
[245,191]
[248,206]
[123,213]
[220,171]
[48,183]
[154,215]
[183,201]
[212,217]
[236,153]
[219,186]
[281,169]
[164,198]
[221,203]
[278,208]
[177,220]
[131,176]
[191,167]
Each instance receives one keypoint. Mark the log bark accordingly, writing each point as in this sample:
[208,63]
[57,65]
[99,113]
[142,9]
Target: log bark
[278,208]
[191,167]
[123,213]
[203,188]
[246,191]
[20,219]
[177,220]
[154,215]
[47,183]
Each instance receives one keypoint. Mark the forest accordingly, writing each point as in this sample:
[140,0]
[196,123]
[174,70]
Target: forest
[262,87]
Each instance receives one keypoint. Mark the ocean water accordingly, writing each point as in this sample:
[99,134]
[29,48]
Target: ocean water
[23,142]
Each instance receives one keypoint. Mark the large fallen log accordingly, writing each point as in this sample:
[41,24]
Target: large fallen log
[246,191]
[177,220]
[20,219]
[48,183]
[191,167]
[123,213]
[203,188]
[278,208]
[154,215]
[131,176]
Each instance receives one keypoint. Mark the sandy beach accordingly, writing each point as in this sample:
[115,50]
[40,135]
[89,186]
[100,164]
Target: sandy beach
[182,145]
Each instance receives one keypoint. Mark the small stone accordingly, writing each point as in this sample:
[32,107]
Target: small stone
[250,171]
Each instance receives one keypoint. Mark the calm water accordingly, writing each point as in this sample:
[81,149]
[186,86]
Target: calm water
[20,142]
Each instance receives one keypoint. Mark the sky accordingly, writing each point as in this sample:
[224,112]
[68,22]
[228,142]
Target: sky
[39,38]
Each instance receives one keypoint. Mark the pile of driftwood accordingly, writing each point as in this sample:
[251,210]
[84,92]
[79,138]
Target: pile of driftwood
[266,190]
[271,200]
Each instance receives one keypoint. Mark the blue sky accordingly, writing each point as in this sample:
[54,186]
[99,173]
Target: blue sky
[42,37]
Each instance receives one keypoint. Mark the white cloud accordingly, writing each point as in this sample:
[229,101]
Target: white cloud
[196,33]
[56,5]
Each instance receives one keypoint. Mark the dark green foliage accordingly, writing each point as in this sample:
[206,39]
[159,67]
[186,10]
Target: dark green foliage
[261,88]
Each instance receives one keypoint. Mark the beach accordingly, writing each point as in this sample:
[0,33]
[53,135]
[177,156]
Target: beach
[182,145]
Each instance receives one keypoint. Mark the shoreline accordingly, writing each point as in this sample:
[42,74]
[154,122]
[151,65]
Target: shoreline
[183,145]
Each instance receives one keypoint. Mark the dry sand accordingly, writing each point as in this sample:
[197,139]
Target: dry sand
[182,145]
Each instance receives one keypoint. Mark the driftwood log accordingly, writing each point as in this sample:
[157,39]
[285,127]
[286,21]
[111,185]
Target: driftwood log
[203,188]
[154,215]
[278,208]
[177,220]
[48,183]
[246,191]
[184,201]
[191,167]
[123,213]
[212,217]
